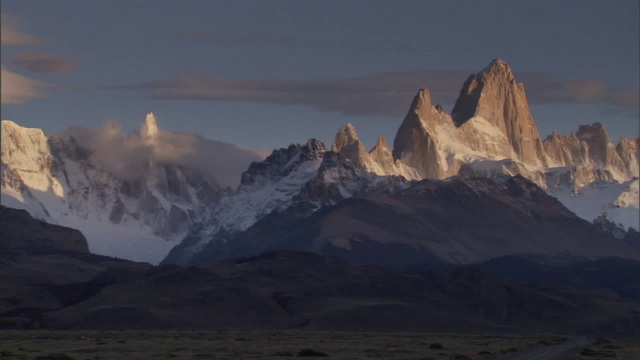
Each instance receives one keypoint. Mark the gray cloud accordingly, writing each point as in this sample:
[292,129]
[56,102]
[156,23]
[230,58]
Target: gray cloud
[12,35]
[385,94]
[379,94]
[17,89]
[43,63]
[126,155]
[543,88]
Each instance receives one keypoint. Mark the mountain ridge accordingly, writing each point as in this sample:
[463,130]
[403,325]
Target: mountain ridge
[490,133]
[431,144]
[137,207]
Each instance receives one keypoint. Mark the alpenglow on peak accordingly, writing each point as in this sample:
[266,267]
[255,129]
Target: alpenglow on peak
[150,127]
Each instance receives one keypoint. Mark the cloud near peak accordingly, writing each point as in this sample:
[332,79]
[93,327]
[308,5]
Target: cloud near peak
[127,154]
[378,94]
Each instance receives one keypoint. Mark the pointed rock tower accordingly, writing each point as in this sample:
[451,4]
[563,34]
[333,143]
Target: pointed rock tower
[596,137]
[416,143]
[348,144]
[382,156]
[149,130]
[494,95]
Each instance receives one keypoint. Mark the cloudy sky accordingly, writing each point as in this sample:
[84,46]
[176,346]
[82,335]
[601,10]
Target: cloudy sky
[263,74]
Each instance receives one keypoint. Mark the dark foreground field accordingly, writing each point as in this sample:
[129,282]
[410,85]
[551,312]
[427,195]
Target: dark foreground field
[282,345]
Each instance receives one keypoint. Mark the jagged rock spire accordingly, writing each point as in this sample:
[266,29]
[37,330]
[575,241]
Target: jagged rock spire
[381,143]
[345,137]
[313,149]
[421,104]
[415,144]
[348,144]
[494,95]
[381,155]
[149,130]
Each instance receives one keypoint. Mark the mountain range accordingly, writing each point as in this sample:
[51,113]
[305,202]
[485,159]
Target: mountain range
[456,188]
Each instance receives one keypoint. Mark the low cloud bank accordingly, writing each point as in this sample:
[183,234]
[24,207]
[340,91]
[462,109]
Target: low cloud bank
[128,155]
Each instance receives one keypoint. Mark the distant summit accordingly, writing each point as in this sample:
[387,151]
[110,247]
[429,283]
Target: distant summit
[492,133]
[494,95]
[149,129]
[129,200]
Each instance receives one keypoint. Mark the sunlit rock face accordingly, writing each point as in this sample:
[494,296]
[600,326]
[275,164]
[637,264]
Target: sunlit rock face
[416,144]
[26,155]
[494,95]
[490,121]
[382,156]
[138,217]
[590,147]
[490,133]
[348,144]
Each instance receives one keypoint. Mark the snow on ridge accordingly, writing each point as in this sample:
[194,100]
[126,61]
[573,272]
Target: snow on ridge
[136,220]
[248,204]
[618,200]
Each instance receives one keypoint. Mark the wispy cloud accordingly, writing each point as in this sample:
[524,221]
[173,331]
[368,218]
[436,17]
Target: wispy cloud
[387,93]
[11,33]
[43,63]
[18,89]
[379,94]
[545,88]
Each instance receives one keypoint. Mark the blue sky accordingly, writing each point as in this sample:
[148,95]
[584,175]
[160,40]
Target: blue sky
[263,74]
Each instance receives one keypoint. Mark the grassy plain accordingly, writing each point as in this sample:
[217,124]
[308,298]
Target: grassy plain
[609,348]
[274,345]
[251,345]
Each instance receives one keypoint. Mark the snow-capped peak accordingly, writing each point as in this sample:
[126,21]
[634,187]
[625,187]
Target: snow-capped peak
[141,218]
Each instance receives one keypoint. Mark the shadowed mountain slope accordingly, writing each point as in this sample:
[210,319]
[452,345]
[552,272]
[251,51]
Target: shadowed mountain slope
[64,289]
[457,221]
